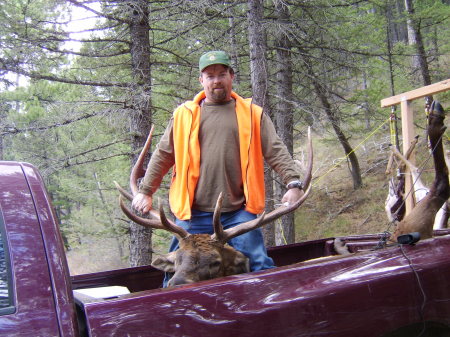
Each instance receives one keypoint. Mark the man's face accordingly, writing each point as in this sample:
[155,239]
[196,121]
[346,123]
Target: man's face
[217,82]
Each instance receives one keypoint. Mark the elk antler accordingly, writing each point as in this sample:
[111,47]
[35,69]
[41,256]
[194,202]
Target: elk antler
[405,158]
[405,161]
[396,152]
[171,226]
[160,220]
[225,235]
[162,223]
[138,168]
[127,195]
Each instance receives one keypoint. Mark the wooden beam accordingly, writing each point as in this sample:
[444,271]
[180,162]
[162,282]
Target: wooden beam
[417,93]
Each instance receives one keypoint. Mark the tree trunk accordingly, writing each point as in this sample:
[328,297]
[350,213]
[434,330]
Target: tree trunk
[258,71]
[365,105]
[400,29]
[234,51]
[141,114]
[354,164]
[419,61]
[284,116]
[258,62]
[321,93]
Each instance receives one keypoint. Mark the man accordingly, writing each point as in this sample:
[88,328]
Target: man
[217,143]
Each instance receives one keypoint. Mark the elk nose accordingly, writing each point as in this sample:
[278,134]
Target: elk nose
[178,280]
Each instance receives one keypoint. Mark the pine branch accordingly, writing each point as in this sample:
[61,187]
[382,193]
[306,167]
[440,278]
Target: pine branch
[11,130]
[34,75]
[99,14]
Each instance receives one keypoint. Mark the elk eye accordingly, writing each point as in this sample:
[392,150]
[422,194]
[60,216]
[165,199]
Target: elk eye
[214,264]
[178,260]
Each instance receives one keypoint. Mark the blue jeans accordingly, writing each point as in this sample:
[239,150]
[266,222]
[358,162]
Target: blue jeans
[251,244]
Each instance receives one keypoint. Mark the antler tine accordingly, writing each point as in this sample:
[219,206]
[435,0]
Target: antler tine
[123,191]
[240,229]
[263,219]
[138,170]
[280,211]
[152,223]
[217,225]
[160,221]
[404,159]
[127,195]
[283,210]
[389,164]
[223,236]
[170,225]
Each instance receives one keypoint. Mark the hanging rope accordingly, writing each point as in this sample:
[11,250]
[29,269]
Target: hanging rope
[392,120]
[428,103]
[393,127]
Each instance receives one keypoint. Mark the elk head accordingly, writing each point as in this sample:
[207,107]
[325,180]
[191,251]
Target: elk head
[203,256]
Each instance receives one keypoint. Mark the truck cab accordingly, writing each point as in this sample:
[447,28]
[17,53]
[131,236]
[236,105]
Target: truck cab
[36,294]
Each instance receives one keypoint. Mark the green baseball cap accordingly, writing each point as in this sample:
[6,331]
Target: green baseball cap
[214,57]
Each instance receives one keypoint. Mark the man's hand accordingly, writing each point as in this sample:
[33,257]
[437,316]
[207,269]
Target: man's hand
[292,195]
[142,203]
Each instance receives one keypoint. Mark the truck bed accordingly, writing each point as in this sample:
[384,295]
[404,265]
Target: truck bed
[328,296]
[147,277]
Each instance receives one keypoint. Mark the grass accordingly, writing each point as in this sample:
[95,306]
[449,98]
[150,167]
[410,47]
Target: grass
[342,210]
[334,208]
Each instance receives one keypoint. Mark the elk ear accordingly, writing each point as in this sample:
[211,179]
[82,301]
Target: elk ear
[241,263]
[237,263]
[165,262]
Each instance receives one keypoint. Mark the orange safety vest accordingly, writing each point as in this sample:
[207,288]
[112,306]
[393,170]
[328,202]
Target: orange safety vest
[186,171]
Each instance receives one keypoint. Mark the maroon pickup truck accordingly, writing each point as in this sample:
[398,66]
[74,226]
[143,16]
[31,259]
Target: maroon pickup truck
[397,291]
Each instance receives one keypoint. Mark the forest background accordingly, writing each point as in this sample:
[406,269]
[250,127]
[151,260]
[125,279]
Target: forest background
[83,80]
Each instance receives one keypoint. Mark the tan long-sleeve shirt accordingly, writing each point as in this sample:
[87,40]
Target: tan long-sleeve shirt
[220,169]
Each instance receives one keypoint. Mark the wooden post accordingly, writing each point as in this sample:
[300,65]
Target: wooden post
[408,136]
[408,126]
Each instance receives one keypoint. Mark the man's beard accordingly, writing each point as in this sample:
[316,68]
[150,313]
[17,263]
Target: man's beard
[219,95]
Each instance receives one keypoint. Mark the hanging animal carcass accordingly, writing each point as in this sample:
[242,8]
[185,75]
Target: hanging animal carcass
[422,217]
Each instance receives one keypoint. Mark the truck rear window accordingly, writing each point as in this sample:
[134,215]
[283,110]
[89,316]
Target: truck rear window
[6,304]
